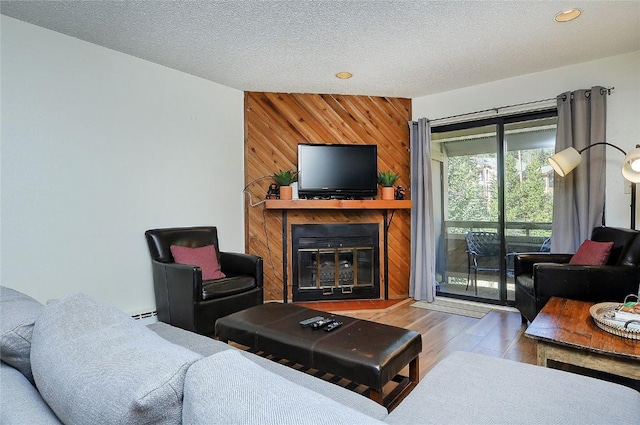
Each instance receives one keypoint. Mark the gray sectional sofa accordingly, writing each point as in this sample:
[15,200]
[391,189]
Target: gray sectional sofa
[80,361]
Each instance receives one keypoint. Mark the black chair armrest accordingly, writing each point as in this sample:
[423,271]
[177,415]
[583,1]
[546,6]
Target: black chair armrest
[178,288]
[235,263]
[186,279]
[524,261]
[585,283]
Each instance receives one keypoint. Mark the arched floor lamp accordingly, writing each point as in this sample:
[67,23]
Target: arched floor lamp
[565,161]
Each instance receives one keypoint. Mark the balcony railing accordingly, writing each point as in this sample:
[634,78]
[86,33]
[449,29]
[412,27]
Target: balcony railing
[520,237]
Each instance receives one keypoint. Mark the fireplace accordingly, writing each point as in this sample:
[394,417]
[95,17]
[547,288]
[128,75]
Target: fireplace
[335,261]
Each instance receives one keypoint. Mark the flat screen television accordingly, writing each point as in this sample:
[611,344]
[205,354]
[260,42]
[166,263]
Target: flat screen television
[337,171]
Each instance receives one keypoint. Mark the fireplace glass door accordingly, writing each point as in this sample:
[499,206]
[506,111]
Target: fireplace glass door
[338,269]
[335,261]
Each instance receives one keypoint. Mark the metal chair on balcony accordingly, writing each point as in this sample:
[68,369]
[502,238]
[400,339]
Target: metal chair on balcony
[546,245]
[480,247]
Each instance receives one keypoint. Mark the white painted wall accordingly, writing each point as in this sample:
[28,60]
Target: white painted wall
[97,147]
[623,109]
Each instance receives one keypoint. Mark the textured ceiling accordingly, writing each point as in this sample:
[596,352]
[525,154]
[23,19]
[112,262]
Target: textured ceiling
[393,48]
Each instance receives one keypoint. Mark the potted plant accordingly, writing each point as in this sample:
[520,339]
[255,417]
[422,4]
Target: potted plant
[386,180]
[284,178]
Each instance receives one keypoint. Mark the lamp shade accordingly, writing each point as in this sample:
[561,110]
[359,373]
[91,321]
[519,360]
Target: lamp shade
[565,161]
[631,166]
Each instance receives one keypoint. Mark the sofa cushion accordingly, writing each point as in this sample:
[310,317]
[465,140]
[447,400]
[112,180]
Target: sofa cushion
[591,253]
[21,403]
[470,388]
[94,364]
[204,257]
[227,286]
[18,313]
[207,346]
[621,238]
[255,396]
[631,256]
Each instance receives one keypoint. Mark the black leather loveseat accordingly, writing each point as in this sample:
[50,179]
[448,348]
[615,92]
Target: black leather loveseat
[540,275]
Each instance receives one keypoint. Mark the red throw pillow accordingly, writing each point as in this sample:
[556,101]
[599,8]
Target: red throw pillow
[592,253]
[204,257]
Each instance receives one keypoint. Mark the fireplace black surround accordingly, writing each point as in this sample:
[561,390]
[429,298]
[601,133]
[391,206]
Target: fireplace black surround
[384,206]
[335,261]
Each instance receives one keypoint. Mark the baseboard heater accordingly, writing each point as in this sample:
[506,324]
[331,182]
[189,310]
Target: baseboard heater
[145,315]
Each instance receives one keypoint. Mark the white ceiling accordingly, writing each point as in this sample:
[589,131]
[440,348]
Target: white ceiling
[393,48]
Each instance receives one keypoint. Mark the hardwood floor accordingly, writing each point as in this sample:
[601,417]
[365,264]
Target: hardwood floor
[497,334]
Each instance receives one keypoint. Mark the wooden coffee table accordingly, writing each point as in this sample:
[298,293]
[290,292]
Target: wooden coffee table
[565,332]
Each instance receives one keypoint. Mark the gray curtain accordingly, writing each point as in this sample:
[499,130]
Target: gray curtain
[422,277]
[578,198]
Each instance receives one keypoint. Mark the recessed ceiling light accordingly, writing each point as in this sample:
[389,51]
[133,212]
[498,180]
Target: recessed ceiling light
[567,15]
[344,75]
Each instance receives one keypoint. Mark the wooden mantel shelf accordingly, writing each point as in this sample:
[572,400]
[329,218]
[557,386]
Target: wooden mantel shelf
[332,204]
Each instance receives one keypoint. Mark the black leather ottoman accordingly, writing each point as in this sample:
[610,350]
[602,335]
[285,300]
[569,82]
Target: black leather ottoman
[364,352]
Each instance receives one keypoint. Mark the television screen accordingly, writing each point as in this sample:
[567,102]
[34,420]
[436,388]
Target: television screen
[337,171]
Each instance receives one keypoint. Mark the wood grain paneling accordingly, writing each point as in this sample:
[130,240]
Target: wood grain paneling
[274,125]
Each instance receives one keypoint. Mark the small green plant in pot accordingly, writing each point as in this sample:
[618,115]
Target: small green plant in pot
[284,178]
[387,179]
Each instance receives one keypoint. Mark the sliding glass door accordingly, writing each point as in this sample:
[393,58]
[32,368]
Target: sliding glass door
[495,199]
[528,182]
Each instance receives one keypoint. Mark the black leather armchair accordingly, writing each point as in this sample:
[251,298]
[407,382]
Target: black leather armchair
[183,299]
[540,276]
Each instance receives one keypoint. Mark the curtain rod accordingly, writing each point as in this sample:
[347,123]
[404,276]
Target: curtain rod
[497,110]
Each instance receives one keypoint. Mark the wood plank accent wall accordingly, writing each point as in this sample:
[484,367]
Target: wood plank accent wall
[274,125]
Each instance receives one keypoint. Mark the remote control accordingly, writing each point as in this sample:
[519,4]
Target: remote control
[321,323]
[332,326]
[309,322]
